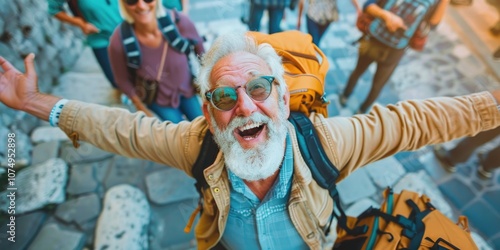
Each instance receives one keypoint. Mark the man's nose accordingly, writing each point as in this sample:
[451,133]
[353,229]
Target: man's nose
[245,105]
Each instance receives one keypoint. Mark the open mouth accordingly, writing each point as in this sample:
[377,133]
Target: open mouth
[250,131]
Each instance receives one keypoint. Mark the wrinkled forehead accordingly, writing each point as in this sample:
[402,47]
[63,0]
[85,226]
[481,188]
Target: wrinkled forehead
[237,68]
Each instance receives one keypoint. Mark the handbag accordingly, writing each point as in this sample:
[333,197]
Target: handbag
[147,89]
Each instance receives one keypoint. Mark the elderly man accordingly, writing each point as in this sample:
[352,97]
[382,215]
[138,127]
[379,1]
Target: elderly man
[261,191]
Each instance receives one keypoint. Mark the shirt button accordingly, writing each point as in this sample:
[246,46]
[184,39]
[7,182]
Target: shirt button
[310,236]
[216,190]
[211,177]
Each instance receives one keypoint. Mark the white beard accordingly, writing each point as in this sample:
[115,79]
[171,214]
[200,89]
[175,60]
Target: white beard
[257,163]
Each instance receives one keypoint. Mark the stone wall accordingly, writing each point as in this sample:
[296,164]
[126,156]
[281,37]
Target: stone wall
[25,27]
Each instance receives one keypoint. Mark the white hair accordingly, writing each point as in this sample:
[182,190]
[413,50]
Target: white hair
[160,11]
[230,43]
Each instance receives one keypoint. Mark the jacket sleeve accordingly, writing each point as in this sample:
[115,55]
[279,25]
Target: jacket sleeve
[353,142]
[134,135]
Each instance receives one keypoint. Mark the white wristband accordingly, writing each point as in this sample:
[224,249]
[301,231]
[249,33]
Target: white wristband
[56,112]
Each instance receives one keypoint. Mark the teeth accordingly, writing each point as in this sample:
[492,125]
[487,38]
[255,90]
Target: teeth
[249,126]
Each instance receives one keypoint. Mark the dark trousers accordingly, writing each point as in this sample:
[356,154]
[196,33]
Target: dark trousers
[275,16]
[101,54]
[316,30]
[467,146]
[385,67]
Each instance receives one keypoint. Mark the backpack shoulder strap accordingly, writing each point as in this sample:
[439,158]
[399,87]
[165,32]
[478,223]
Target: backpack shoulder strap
[208,153]
[172,35]
[130,46]
[322,169]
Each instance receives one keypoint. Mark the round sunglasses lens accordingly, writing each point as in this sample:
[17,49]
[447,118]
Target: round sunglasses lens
[259,89]
[224,98]
[148,1]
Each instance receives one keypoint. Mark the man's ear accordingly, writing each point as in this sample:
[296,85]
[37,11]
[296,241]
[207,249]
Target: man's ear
[286,98]
[207,116]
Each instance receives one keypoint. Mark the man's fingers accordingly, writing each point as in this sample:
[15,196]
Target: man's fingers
[29,65]
[5,64]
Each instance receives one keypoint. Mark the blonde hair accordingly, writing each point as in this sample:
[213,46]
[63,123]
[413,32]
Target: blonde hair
[160,11]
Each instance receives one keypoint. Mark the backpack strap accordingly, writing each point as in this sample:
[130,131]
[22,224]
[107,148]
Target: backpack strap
[208,153]
[322,169]
[130,46]
[172,35]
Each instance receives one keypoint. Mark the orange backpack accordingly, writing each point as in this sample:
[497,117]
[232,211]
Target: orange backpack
[305,69]
[405,221]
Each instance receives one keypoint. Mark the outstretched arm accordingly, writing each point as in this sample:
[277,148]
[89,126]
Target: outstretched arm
[20,91]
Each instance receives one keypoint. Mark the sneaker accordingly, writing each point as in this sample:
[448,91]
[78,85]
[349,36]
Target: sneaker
[444,158]
[496,54]
[481,172]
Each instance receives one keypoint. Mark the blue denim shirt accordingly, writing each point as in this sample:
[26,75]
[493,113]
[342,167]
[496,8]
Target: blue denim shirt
[252,224]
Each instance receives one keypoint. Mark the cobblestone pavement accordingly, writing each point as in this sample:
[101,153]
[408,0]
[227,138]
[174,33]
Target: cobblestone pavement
[448,66]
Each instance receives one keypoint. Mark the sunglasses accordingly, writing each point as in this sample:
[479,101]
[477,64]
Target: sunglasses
[225,98]
[134,2]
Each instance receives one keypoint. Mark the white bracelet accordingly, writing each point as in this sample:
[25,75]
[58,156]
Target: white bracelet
[56,112]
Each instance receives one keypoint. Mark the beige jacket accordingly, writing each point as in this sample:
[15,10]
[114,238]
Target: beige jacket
[350,142]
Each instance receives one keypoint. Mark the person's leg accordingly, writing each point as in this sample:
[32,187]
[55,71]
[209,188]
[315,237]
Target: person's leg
[101,54]
[363,62]
[322,30]
[256,12]
[464,149]
[490,162]
[166,113]
[313,30]
[190,107]
[275,17]
[382,75]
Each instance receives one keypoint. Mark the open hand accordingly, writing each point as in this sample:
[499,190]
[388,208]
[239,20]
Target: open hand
[17,88]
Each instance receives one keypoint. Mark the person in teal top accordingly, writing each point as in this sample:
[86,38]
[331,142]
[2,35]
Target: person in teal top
[99,20]
[179,5]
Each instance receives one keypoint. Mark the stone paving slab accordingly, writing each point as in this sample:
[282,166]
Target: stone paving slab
[356,187]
